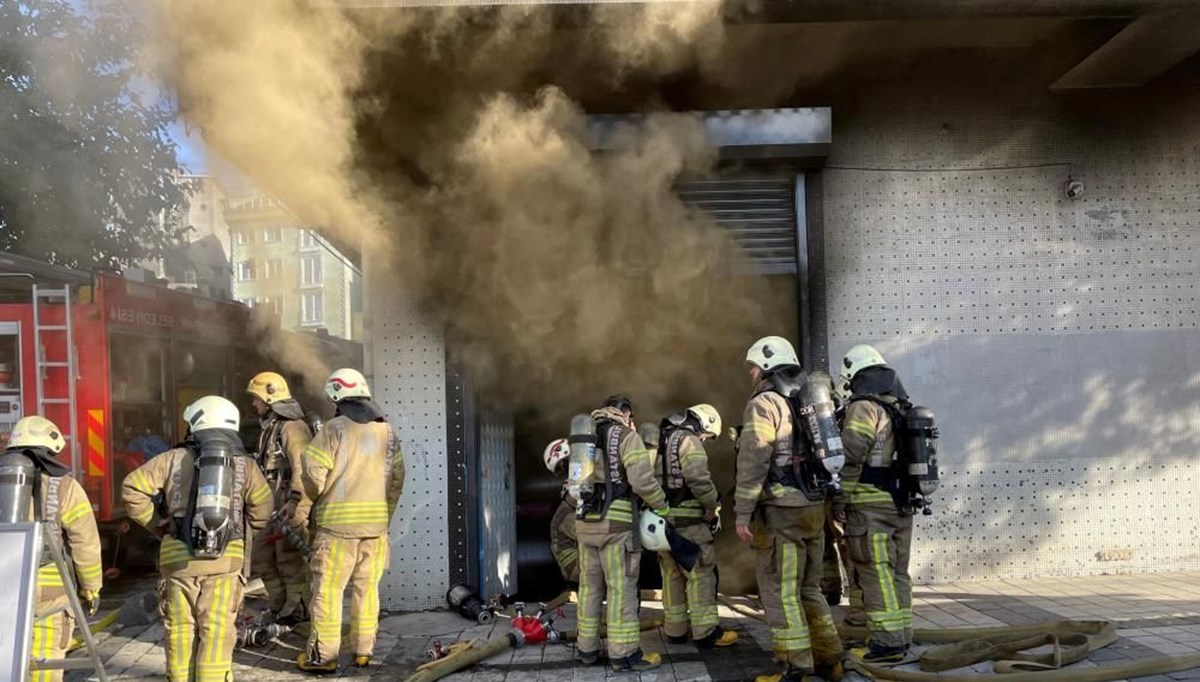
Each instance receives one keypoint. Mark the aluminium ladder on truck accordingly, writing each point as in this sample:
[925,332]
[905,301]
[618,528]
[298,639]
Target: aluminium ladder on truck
[52,393]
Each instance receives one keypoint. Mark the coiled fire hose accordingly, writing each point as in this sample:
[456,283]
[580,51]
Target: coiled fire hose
[1071,641]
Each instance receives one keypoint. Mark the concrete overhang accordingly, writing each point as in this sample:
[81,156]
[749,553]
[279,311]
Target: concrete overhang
[1143,50]
[838,10]
[1161,33]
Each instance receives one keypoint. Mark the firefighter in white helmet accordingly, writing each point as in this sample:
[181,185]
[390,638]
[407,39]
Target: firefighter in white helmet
[878,533]
[32,477]
[211,492]
[690,597]
[354,473]
[563,541]
[788,526]
[276,558]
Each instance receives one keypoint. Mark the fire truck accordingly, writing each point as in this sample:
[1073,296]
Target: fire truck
[113,362]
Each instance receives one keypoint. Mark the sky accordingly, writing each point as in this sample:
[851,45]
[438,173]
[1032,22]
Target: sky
[192,153]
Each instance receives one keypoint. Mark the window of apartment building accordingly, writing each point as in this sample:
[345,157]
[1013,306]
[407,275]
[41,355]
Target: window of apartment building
[312,308]
[272,235]
[272,268]
[248,302]
[273,303]
[310,271]
[308,240]
[241,237]
[245,271]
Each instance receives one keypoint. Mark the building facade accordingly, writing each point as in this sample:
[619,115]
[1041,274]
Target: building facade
[290,270]
[1006,206]
[201,263]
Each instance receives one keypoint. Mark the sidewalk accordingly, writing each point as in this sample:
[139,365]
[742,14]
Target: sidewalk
[1157,614]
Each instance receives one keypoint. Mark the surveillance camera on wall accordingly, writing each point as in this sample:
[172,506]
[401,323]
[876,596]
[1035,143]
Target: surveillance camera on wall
[1074,189]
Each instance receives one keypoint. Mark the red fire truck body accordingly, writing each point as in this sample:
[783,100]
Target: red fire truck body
[141,354]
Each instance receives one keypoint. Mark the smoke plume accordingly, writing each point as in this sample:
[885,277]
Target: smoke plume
[445,143]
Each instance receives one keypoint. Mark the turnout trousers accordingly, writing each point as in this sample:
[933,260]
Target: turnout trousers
[335,563]
[880,540]
[51,637]
[789,568]
[284,572]
[609,562]
[199,615]
[690,597]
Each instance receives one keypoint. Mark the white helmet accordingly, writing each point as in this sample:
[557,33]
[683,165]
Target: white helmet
[709,418]
[857,359]
[556,453]
[212,412]
[37,432]
[652,529]
[772,352]
[346,383]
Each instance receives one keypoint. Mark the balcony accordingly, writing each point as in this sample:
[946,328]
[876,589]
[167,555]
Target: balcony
[254,206]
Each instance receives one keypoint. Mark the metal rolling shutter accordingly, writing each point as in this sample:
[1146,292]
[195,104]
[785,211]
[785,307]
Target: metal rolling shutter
[760,211]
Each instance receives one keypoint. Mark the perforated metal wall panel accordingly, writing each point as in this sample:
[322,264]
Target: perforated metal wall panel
[498,504]
[760,212]
[1054,337]
[407,372]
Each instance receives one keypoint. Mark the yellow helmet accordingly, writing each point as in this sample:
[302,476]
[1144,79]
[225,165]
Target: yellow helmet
[269,387]
[35,431]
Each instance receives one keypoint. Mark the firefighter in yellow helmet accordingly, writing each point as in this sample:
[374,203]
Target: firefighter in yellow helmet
[354,473]
[211,492]
[276,558]
[63,506]
[690,597]
[563,541]
[609,551]
[788,532]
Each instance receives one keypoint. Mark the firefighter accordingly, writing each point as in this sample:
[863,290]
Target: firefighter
[563,541]
[690,597]
[788,531]
[285,435]
[64,508]
[354,473]
[212,497]
[609,551]
[878,535]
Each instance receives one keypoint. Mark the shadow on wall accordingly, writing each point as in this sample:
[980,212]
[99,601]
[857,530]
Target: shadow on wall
[1059,453]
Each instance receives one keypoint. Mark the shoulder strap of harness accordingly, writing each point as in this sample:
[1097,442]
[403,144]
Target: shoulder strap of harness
[391,448]
[239,500]
[51,517]
[612,469]
[178,496]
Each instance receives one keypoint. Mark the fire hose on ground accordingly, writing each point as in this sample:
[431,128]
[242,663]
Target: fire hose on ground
[1009,647]
[526,629]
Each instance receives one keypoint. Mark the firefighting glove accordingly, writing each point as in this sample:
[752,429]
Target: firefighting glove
[839,512]
[90,600]
[713,517]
